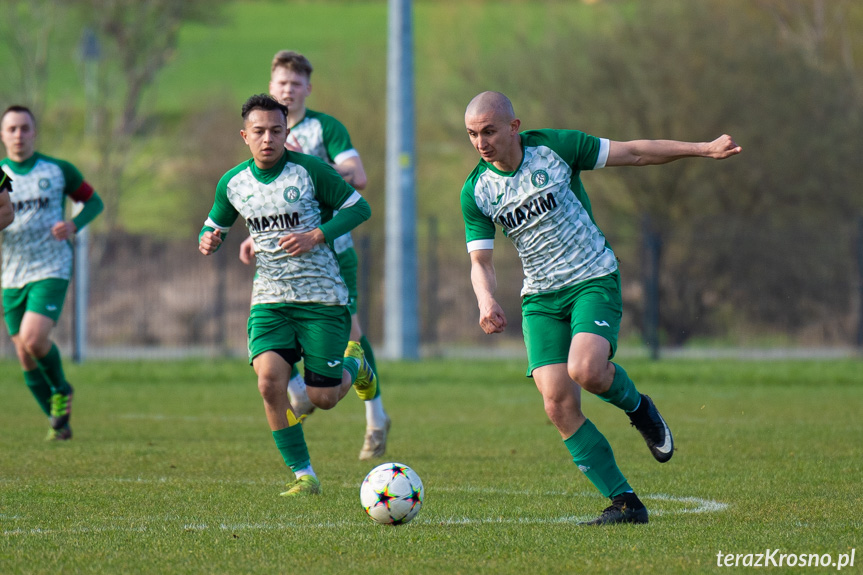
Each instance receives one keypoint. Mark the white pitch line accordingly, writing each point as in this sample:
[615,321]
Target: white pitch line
[702,505]
[699,505]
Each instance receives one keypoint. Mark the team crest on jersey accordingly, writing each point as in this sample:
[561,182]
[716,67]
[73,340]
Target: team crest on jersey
[44,183]
[292,194]
[539,178]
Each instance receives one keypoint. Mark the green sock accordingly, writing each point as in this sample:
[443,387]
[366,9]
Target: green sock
[52,365]
[622,392]
[592,453]
[370,357]
[40,389]
[292,445]
[352,366]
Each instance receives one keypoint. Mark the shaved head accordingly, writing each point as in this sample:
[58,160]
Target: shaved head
[493,130]
[492,104]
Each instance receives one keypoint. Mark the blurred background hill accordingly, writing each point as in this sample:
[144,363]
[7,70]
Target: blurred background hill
[762,251]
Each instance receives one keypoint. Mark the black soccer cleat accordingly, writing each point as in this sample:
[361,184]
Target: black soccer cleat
[625,508]
[61,409]
[653,429]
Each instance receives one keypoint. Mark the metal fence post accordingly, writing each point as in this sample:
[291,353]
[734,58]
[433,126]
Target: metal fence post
[859,252]
[652,252]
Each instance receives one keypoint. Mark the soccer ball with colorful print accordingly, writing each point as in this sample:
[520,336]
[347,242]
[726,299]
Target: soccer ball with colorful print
[392,493]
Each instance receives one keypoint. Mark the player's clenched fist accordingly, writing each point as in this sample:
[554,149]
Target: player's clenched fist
[492,318]
[63,230]
[722,147]
[300,243]
[210,242]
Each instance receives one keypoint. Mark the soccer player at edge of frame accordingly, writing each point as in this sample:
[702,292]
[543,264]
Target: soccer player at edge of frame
[529,183]
[294,205]
[7,214]
[324,136]
[37,259]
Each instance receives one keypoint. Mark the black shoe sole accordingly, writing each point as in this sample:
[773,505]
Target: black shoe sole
[638,516]
[658,455]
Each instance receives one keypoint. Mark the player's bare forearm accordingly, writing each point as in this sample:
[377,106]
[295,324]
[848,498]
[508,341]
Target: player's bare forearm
[300,243]
[353,172]
[484,282]
[655,152]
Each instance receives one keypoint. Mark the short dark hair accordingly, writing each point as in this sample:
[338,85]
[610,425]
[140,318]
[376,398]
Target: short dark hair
[22,109]
[263,102]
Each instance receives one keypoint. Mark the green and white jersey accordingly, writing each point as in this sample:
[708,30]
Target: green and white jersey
[543,208]
[298,194]
[323,136]
[30,252]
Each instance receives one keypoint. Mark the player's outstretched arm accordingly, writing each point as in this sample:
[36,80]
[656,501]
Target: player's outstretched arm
[654,152]
[484,281]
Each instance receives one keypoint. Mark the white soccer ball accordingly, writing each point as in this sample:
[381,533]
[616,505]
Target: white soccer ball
[392,493]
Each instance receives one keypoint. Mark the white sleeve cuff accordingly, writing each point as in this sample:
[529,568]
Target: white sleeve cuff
[346,155]
[352,199]
[214,225]
[602,157]
[480,245]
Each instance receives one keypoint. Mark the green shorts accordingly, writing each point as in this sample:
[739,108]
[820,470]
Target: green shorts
[45,297]
[550,320]
[348,270]
[319,333]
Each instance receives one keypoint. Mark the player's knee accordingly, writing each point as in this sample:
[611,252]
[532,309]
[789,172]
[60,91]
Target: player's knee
[323,391]
[590,375]
[324,397]
[325,401]
[24,357]
[32,344]
[270,387]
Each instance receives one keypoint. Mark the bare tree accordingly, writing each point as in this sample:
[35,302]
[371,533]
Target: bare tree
[139,37]
[27,28]
[827,32]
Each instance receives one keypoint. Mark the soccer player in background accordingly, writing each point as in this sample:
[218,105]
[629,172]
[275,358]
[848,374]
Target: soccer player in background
[294,205]
[37,260]
[529,184]
[7,215]
[323,136]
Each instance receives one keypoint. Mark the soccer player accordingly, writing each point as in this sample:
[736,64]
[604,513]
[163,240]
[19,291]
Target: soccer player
[299,301]
[37,260]
[323,136]
[529,184]
[7,215]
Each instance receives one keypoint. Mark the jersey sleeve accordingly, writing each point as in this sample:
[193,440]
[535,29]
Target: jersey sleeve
[331,190]
[223,214]
[335,195]
[337,141]
[75,187]
[581,151]
[478,227]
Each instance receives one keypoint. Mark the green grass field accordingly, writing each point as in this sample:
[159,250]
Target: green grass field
[173,470]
